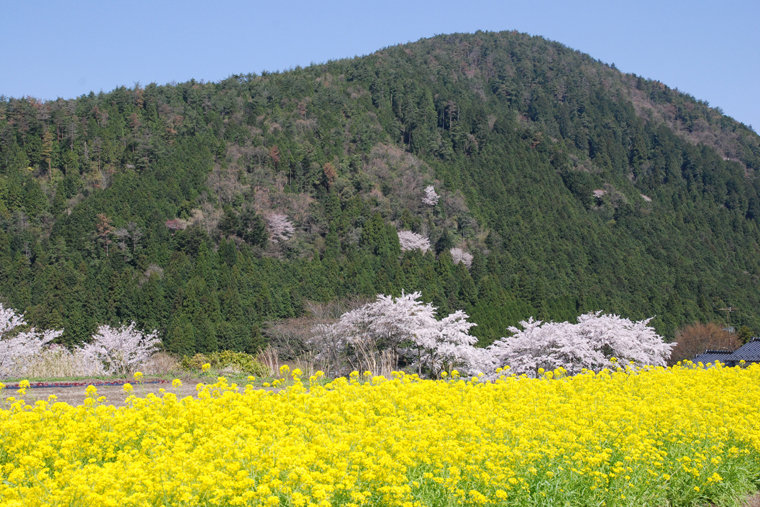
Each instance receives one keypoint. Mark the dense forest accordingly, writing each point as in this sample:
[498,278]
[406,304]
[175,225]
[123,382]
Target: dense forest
[208,211]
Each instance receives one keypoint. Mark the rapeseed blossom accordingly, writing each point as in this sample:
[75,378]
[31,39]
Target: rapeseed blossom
[658,436]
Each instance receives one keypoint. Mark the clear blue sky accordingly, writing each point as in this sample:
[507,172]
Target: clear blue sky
[51,49]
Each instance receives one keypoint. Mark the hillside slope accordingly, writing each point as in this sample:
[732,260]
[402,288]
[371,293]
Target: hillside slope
[574,186]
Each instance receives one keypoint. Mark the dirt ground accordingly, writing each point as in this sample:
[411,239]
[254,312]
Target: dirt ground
[114,394]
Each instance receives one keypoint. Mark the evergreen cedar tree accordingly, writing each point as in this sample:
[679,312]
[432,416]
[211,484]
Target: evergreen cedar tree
[514,133]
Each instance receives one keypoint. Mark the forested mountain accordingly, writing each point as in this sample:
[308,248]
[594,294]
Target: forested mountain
[207,210]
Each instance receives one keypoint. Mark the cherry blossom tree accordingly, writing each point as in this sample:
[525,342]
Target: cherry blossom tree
[280,228]
[592,343]
[120,350]
[431,198]
[401,327]
[445,343]
[458,255]
[384,325]
[412,241]
[17,347]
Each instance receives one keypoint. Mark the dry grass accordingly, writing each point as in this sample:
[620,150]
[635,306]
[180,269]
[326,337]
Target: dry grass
[309,364]
[270,359]
[161,363]
[57,362]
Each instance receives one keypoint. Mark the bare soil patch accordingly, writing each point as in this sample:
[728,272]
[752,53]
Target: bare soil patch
[115,395]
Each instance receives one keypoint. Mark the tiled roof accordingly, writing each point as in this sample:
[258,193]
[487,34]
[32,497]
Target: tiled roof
[748,352]
[710,356]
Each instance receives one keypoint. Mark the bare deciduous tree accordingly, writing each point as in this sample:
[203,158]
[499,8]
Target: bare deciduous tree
[104,231]
[697,338]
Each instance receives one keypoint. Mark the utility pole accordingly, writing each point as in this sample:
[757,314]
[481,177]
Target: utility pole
[728,311]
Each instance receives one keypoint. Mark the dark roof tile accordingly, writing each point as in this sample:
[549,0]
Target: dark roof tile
[710,356]
[748,352]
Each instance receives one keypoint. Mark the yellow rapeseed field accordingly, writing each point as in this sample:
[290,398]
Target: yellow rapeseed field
[657,437]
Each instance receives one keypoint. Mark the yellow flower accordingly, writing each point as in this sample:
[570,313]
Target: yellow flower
[206,367]
[128,388]
[404,441]
[176,383]
[138,376]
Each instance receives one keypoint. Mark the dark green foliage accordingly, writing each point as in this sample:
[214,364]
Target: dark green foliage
[515,132]
[248,226]
[745,334]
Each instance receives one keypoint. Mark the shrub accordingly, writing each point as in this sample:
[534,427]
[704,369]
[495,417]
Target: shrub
[226,359]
